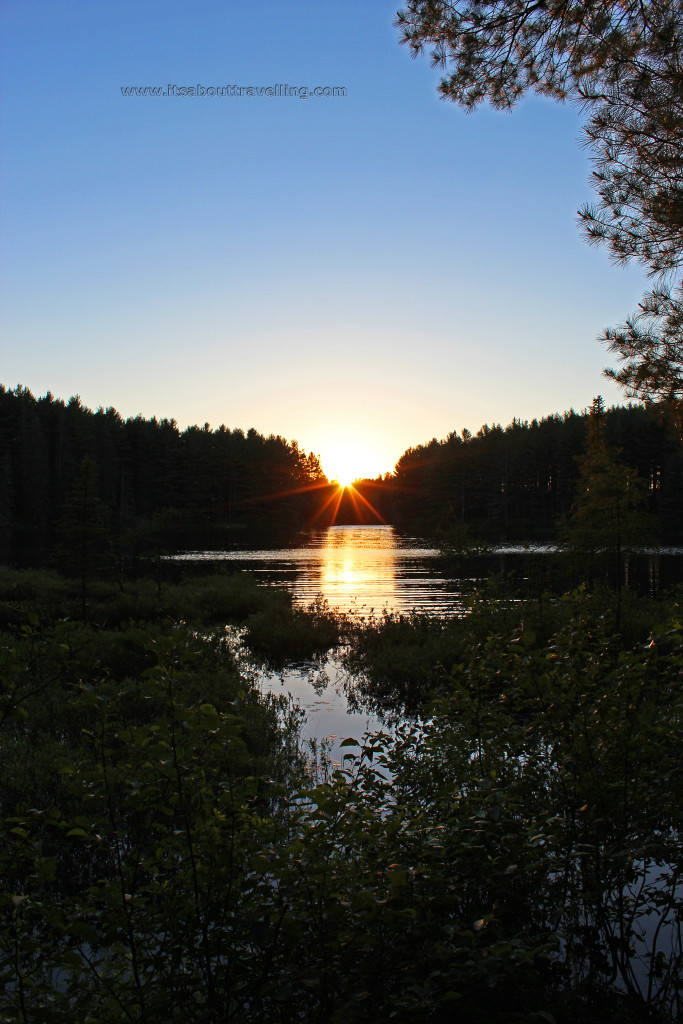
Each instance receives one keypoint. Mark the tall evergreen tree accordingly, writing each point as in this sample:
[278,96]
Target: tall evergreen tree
[609,514]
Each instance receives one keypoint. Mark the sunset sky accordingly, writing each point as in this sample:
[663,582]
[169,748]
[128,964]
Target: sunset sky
[374,269]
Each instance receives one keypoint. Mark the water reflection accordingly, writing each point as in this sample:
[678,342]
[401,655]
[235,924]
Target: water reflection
[358,570]
[364,570]
[321,690]
[361,570]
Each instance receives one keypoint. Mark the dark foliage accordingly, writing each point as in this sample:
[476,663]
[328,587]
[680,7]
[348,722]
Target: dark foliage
[519,482]
[93,483]
[514,857]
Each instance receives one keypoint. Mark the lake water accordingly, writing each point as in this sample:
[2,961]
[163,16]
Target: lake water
[358,570]
[364,571]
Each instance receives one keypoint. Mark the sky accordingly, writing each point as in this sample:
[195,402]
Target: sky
[357,272]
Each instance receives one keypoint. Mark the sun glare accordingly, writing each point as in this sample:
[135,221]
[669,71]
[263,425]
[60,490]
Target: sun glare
[344,465]
[345,476]
[349,454]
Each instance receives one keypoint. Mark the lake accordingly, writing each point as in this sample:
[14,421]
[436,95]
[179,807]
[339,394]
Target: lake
[366,570]
[358,570]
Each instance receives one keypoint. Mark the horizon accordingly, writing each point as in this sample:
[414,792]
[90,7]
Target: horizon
[342,478]
[359,270]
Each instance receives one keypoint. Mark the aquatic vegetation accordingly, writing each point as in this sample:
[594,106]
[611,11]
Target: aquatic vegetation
[167,853]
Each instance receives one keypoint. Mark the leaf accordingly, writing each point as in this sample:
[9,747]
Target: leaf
[397,878]
[82,930]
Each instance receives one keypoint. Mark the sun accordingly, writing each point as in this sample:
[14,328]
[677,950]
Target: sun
[350,453]
[343,464]
[345,480]
[345,475]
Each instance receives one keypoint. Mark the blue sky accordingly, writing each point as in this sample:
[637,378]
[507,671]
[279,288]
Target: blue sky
[369,270]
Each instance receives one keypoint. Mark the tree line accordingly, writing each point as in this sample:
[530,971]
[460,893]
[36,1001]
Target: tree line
[522,482]
[65,469]
[90,483]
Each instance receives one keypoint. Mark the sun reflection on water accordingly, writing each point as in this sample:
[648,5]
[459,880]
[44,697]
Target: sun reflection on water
[358,567]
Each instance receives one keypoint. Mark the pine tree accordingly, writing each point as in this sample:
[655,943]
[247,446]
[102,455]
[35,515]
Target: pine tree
[622,62]
[608,519]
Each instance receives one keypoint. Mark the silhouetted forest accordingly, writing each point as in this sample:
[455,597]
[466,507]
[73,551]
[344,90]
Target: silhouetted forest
[70,474]
[77,480]
[520,483]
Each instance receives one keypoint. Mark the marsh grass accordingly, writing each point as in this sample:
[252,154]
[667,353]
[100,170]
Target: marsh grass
[283,633]
[276,630]
[404,661]
[171,852]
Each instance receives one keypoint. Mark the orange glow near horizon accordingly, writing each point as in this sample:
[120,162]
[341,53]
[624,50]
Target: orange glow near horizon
[344,479]
[345,465]
[361,504]
[344,462]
